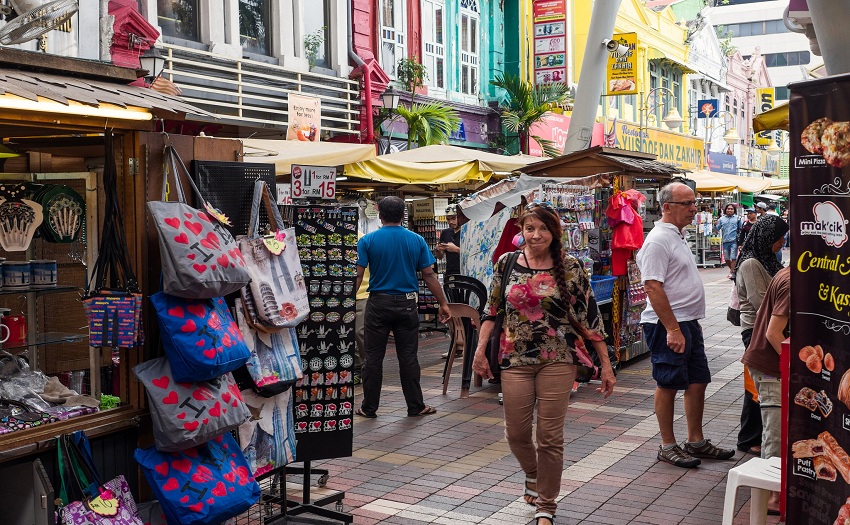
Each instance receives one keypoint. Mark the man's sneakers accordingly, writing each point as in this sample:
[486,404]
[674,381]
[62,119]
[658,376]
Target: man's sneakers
[706,450]
[688,454]
[676,456]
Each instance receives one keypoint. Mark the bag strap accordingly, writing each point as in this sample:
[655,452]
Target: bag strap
[263,194]
[509,267]
[170,166]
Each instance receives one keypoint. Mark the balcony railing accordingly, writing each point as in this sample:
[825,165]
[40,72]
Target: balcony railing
[255,94]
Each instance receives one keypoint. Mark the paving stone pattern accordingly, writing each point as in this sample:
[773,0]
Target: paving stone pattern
[455,467]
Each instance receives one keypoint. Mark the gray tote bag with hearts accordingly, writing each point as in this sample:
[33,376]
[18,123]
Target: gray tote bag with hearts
[200,259]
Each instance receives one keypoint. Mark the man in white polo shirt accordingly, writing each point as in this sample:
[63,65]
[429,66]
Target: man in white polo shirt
[676,302]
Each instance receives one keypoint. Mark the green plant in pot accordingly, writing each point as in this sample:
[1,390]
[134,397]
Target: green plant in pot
[312,43]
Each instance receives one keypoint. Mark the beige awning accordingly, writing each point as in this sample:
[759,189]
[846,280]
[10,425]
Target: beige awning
[444,153]
[284,153]
[713,181]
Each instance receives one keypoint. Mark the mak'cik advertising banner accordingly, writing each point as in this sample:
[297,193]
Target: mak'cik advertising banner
[621,77]
[816,464]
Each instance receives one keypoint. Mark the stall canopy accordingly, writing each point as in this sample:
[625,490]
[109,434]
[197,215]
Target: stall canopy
[284,153]
[713,181]
[445,153]
[776,118]
[438,164]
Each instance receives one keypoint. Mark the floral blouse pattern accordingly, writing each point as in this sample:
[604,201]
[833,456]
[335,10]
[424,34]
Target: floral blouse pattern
[535,327]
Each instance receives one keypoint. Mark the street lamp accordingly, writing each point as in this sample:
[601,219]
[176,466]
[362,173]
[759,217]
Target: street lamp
[659,96]
[731,136]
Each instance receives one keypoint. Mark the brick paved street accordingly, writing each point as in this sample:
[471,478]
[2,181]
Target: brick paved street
[455,466]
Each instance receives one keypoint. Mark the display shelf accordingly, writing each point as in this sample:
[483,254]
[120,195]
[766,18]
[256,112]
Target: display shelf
[52,289]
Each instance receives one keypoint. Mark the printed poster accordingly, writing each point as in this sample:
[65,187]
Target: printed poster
[550,41]
[816,466]
[621,72]
[305,118]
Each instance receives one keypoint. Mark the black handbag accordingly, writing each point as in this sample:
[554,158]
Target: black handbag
[493,346]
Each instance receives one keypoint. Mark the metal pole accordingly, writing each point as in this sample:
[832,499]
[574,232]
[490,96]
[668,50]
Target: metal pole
[592,75]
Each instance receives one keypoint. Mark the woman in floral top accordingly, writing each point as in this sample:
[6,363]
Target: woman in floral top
[538,344]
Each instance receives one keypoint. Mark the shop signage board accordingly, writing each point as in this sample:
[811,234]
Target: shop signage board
[554,127]
[764,102]
[621,77]
[722,163]
[305,118]
[817,398]
[684,151]
[707,108]
[313,182]
[423,209]
[550,41]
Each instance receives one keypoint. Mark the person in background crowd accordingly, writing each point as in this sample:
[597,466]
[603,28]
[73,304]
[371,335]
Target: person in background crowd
[675,304]
[448,245]
[549,311]
[787,219]
[752,217]
[756,267]
[361,299]
[728,225]
[761,208]
[762,359]
[393,255]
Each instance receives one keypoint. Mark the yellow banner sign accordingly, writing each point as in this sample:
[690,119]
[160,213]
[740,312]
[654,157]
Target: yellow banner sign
[621,76]
[684,151]
[764,102]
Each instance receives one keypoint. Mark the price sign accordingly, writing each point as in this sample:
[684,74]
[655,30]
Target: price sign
[313,182]
[284,196]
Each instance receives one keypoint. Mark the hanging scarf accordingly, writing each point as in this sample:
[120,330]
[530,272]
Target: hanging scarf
[759,243]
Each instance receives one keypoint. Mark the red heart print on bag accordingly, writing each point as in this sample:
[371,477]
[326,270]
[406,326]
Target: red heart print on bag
[223,260]
[161,382]
[199,343]
[226,341]
[229,476]
[209,353]
[215,411]
[189,326]
[191,426]
[196,507]
[170,399]
[219,490]
[211,241]
[187,215]
[200,268]
[214,321]
[191,256]
[226,397]
[212,267]
[203,217]
[197,310]
[174,222]
[181,415]
[182,238]
[202,394]
[162,468]
[183,465]
[177,311]
[206,420]
[171,484]
[184,499]
[243,475]
[210,501]
[202,475]
[194,227]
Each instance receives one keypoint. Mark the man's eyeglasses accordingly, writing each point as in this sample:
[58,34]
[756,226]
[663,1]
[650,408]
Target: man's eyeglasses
[531,205]
[686,204]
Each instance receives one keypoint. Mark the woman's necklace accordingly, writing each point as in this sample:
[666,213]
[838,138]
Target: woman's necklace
[528,261]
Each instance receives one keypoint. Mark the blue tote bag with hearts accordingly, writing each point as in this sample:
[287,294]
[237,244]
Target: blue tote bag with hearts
[203,485]
[201,340]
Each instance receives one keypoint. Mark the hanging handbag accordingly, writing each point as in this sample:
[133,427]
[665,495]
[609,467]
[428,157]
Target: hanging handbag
[275,362]
[494,345]
[109,503]
[200,259]
[15,415]
[268,439]
[112,301]
[201,340]
[204,485]
[187,414]
[277,296]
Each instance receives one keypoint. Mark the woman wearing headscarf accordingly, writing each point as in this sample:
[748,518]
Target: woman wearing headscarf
[757,264]
[549,312]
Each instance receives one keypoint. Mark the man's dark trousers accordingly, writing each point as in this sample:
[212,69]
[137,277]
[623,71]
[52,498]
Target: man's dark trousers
[396,313]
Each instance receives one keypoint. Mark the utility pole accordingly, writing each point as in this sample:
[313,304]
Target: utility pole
[592,75]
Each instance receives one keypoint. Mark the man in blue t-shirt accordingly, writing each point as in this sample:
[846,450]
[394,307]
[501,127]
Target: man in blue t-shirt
[393,255]
[728,225]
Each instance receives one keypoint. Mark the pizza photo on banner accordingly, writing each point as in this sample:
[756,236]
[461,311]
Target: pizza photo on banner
[816,465]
